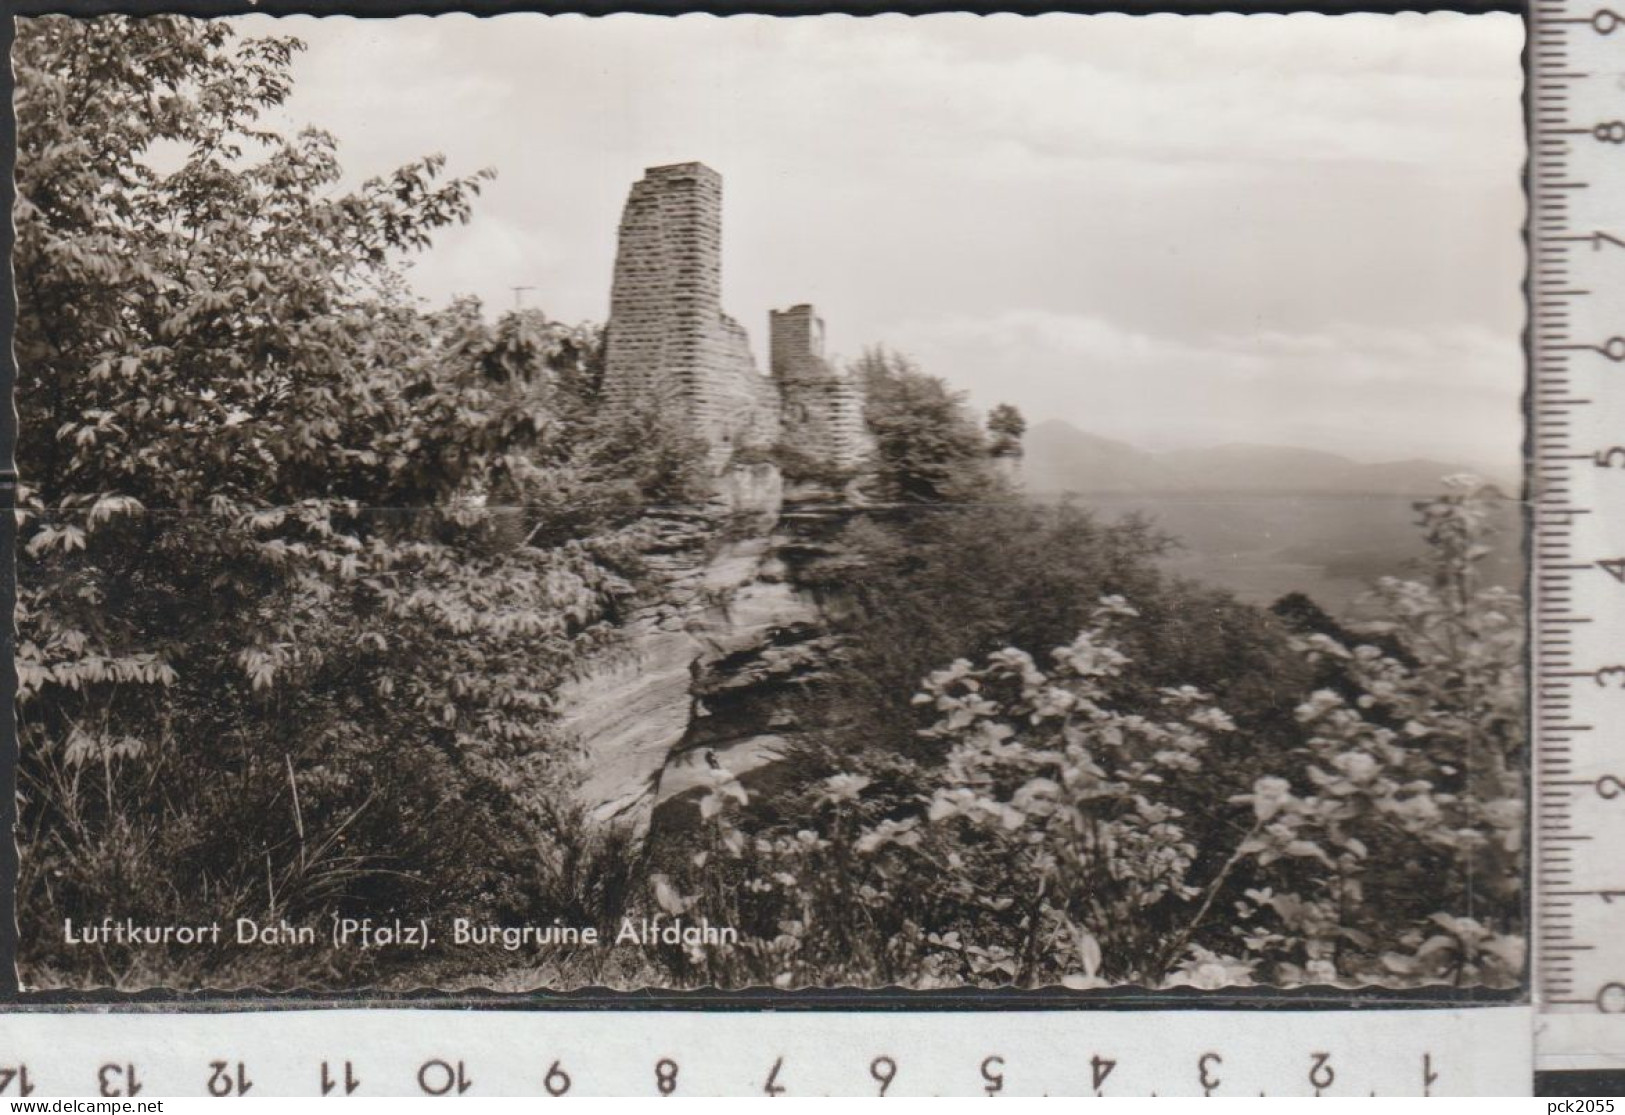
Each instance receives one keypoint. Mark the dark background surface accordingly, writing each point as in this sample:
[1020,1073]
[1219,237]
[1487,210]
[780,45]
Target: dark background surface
[1610,1083]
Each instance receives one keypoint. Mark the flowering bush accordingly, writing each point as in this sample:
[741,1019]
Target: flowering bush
[1041,851]
[1411,807]
[1048,843]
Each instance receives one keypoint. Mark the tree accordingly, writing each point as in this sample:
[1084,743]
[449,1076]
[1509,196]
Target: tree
[301,565]
[928,448]
[1005,426]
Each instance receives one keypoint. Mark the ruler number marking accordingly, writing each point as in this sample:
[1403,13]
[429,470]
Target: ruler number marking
[1101,1067]
[117,1080]
[329,1082]
[995,1079]
[223,1082]
[1321,1073]
[773,1087]
[1205,1064]
[437,1077]
[18,1076]
[883,1069]
[666,1076]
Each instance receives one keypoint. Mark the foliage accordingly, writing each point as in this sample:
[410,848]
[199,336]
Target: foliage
[1005,427]
[797,466]
[302,568]
[928,447]
[1052,840]
[1415,789]
[913,589]
[299,563]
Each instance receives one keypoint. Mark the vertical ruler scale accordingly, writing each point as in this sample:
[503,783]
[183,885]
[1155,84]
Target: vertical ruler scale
[1577,340]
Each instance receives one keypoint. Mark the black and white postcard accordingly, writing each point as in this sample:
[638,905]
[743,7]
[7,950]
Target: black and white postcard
[543,502]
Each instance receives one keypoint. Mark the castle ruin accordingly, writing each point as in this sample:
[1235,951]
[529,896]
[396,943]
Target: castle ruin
[820,410]
[670,343]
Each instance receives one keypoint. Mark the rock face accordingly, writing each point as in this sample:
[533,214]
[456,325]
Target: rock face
[711,671]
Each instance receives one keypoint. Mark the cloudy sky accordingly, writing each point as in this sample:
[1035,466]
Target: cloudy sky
[1174,231]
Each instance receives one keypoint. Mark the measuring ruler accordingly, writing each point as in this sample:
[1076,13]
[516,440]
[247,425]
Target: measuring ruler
[367,1053]
[1576,104]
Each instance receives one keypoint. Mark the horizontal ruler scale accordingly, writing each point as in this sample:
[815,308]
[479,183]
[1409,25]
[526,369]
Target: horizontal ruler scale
[497,1053]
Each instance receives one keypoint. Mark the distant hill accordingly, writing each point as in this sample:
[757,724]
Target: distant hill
[1062,458]
[1059,457]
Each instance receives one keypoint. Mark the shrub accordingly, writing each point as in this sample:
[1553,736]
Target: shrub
[1050,839]
[301,567]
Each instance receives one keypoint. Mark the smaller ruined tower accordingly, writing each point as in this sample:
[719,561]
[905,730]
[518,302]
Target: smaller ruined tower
[822,409]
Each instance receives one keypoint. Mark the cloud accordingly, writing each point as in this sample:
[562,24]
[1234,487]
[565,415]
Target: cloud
[1374,394]
[490,256]
[1116,89]
[1282,228]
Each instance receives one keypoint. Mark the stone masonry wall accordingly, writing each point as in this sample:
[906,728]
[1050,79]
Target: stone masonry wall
[669,340]
[822,410]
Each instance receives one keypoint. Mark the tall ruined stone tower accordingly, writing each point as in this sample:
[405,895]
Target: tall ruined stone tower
[668,340]
[822,410]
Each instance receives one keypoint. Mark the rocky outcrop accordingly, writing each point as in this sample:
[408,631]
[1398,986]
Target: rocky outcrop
[714,670]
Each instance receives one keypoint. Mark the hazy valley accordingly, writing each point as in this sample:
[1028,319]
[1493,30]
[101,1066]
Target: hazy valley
[1260,520]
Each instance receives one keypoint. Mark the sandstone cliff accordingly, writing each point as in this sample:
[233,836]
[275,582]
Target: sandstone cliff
[712,669]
